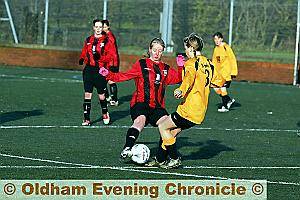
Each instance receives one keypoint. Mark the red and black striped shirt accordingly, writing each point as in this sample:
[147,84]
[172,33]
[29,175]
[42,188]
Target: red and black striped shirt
[93,51]
[111,51]
[151,79]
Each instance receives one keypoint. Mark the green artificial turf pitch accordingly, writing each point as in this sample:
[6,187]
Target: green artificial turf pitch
[42,136]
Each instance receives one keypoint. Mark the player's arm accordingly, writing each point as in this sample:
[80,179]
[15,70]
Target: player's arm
[233,62]
[113,50]
[173,75]
[110,54]
[132,73]
[187,82]
[114,54]
[214,58]
[83,54]
[111,37]
[226,65]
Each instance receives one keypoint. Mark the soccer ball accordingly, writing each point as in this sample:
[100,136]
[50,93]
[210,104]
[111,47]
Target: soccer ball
[140,153]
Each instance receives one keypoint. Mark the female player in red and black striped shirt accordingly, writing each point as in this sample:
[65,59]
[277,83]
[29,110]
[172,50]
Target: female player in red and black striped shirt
[92,55]
[151,78]
[113,65]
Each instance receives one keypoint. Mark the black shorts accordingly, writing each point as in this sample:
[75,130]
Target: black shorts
[181,122]
[152,114]
[114,69]
[92,78]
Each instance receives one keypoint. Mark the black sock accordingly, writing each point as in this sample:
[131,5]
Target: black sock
[87,109]
[114,91]
[161,154]
[172,151]
[106,93]
[131,137]
[225,100]
[103,104]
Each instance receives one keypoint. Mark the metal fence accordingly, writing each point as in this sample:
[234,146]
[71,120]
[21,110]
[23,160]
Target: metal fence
[262,30]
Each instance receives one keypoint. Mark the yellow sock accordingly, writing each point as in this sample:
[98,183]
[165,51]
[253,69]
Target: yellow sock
[168,142]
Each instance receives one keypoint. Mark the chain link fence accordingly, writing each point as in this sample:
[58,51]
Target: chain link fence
[263,30]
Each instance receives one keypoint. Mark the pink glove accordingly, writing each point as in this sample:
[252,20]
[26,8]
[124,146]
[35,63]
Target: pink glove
[180,60]
[103,71]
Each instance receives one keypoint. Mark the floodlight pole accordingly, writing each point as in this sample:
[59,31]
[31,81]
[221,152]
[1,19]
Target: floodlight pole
[105,9]
[46,21]
[35,6]
[170,27]
[166,24]
[230,22]
[297,46]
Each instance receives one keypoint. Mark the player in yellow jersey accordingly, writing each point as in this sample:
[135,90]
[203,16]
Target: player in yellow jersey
[194,90]
[225,63]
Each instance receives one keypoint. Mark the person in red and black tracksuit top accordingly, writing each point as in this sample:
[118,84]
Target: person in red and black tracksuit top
[91,55]
[151,78]
[113,65]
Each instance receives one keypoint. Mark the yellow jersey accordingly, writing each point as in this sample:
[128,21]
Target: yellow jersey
[196,80]
[225,62]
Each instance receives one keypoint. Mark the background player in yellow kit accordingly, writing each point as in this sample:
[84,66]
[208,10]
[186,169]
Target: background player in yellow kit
[225,63]
[194,91]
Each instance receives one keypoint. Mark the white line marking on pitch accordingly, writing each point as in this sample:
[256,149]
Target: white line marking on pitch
[126,127]
[137,167]
[43,160]
[42,79]
[78,73]
[69,167]
[132,169]
[239,167]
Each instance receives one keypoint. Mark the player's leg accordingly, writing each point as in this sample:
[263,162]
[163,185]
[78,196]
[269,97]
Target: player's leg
[226,100]
[108,98]
[139,113]
[160,158]
[132,135]
[113,93]
[222,108]
[166,148]
[169,140]
[222,92]
[230,102]
[156,117]
[87,109]
[88,90]
[169,129]
[104,109]
[113,88]
[100,84]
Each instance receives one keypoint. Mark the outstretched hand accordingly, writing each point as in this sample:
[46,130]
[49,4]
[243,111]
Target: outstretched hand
[103,71]
[81,61]
[180,60]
